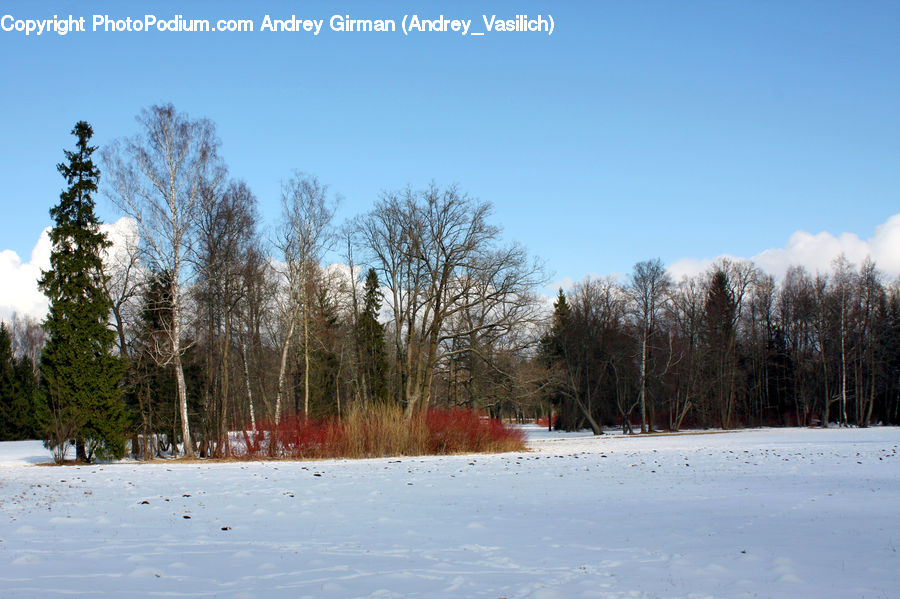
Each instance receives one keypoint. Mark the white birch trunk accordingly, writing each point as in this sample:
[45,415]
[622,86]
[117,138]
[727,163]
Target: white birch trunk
[281,371]
[644,382]
[179,378]
[249,387]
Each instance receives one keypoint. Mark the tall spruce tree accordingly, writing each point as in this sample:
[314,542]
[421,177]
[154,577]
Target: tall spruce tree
[552,352]
[720,319]
[371,337]
[552,344]
[80,375]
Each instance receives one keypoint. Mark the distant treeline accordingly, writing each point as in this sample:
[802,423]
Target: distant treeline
[728,348]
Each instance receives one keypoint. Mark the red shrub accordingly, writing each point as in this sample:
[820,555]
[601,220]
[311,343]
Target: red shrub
[543,421]
[296,437]
[380,433]
[459,430]
[253,442]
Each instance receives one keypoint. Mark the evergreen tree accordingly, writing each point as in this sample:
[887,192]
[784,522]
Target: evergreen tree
[552,344]
[151,384]
[80,374]
[29,409]
[22,414]
[7,387]
[554,356]
[324,360]
[371,336]
[719,333]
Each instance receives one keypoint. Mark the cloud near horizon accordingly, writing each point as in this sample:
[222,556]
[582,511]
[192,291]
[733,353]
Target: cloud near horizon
[816,252]
[19,291]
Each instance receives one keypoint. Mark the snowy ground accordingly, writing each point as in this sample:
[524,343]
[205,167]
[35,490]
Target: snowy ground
[773,513]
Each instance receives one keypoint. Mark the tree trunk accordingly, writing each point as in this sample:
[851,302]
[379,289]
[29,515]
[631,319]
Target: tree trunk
[826,412]
[843,367]
[644,382]
[249,386]
[595,426]
[868,419]
[305,357]
[281,371]
[223,424]
[120,330]
[179,375]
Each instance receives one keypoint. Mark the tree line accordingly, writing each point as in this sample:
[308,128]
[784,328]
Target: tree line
[727,348]
[203,322]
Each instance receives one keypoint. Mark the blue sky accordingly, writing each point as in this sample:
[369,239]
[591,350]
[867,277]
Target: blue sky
[638,129]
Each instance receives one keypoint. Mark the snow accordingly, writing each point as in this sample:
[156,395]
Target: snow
[763,513]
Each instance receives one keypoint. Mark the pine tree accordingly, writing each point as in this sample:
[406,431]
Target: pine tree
[719,333]
[29,409]
[552,353]
[8,428]
[22,414]
[324,359]
[552,345]
[371,336]
[80,375]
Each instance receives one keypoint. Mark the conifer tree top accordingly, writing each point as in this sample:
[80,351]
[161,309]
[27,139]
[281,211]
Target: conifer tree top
[82,176]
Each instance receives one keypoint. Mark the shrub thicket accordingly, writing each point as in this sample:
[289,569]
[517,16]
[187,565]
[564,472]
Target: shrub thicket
[380,431]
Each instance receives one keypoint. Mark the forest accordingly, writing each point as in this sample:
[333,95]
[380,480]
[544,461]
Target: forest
[203,321]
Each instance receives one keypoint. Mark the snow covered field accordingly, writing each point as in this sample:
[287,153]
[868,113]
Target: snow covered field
[772,513]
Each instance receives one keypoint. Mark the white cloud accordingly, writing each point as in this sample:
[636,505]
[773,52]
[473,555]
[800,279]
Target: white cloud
[816,252]
[690,267]
[19,289]
[122,233]
[552,288]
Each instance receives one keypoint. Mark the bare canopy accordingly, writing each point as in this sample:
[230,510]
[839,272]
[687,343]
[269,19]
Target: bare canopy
[156,178]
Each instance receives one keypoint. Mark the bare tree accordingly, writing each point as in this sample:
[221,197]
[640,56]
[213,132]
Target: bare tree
[122,263]
[227,238]
[306,234]
[156,178]
[497,321]
[649,289]
[255,309]
[821,325]
[358,366]
[870,296]
[726,311]
[686,307]
[439,256]
[27,338]
[796,314]
[843,282]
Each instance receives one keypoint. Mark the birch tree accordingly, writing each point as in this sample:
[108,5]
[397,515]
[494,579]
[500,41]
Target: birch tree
[156,178]
[649,287]
[843,281]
